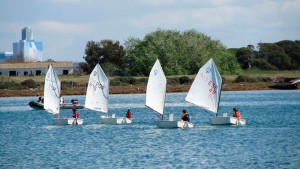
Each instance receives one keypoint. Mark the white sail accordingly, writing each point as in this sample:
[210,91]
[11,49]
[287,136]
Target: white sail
[52,92]
[206,88]
[97,91]
[156,89]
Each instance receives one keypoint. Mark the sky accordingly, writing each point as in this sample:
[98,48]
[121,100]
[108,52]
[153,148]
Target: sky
[65,26]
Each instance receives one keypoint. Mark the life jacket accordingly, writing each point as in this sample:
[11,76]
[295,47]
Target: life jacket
[75,115]
[238,115]
[234,114]
[185,117]
[128,114]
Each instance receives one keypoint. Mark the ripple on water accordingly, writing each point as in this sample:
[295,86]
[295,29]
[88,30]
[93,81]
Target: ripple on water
[270,139]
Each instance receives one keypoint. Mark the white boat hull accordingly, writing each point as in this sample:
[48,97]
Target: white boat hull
[227,120]
[115,120]
[67,121]
[174,124]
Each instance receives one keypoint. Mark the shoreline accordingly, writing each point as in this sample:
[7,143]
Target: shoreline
[137,89]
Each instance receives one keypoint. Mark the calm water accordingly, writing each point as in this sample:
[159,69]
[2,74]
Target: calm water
[270,139]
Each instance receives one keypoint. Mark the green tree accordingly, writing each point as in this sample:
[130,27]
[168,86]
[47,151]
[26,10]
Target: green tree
[107,53]
[275,55]
[292,49]
[244,55]
[179,53]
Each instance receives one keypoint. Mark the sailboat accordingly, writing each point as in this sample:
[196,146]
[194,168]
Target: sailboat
[205,92]
[97,95]
[155,98]
[52,99]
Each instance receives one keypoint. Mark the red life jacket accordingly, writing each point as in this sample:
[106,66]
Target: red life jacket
[75,115]
[128,114]
[238,115]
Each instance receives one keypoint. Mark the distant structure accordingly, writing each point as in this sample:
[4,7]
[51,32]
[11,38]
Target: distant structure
[27,50]
[35,68]
[27,59]
[5,56]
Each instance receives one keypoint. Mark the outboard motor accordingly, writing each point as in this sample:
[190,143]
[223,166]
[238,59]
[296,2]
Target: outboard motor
[74,101]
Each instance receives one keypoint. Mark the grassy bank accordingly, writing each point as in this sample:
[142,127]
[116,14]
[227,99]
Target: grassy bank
[76,85]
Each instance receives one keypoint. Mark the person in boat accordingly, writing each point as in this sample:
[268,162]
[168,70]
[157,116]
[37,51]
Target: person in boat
[236,113]
[185,116]
[62,100]
[40,99]
[75,114]
[128,113]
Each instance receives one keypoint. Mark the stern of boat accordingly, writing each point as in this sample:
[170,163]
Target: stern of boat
[115,120]
[74,121]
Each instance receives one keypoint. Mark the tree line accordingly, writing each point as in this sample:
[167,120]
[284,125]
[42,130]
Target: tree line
[282,55]
[182,53]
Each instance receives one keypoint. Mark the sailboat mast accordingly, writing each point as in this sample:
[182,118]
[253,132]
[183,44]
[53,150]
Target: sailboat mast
[107,96]
[162,117]
[219,99]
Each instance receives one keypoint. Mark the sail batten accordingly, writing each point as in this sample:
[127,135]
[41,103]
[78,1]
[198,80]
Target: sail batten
[52,92]
[97,91]
[205,90]
[156,89]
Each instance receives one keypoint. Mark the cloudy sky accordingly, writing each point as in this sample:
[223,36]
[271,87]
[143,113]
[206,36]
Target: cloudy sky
[64,26]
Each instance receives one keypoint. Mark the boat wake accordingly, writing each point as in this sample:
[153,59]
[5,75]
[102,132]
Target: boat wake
[51,127]
[94,126]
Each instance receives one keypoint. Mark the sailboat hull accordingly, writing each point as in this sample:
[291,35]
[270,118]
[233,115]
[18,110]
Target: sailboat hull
[227,120]
[115,120]
[67,121]
[174,124]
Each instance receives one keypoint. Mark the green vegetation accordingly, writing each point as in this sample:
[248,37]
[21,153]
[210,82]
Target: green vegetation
[29,83]
[282,55]
[106,52]
[68,84]
[183,53]
[249,79]
[10,86]
[179,53]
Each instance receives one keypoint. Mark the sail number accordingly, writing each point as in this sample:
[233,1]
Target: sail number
[51,87]
[203,77]
[213,87]
[97,85]
[212,90]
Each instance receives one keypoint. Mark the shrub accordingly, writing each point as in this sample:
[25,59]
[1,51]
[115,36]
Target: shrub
[130,80]
[10,86]
[263,64]
[173,80]
[224,80]
[245,79]
[252,79]
[29,83]
[68,84]
[142,80]
[117,82]
[263,79]
[184,79]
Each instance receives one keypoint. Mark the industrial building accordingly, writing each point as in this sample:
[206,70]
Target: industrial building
[5,56]
[27,49]
[35,68]
[27,59]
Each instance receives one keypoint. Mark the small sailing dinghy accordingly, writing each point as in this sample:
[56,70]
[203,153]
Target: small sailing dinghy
[206,92]
[97,97]
[52,99]
[155,98]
